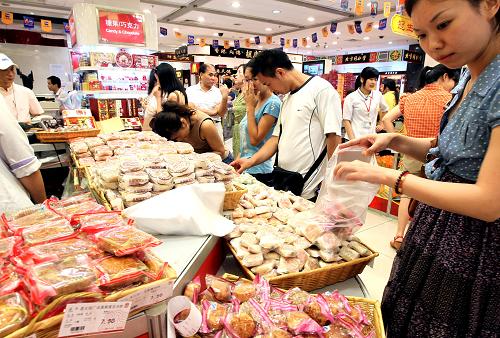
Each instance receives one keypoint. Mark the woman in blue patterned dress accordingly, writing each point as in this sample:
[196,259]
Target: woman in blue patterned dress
[445,280]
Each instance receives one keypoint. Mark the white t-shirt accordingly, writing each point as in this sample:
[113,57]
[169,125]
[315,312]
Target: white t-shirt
[204,99]
[307,115]
[362,111]
[21,102]
[17,160]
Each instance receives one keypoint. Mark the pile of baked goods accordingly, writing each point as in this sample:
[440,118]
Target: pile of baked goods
[130,167]
[278,233]
[247,309]
[62,247]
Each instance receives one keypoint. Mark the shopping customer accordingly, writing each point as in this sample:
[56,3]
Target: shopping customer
[181,123]
[167,87]
[446,276]
[390,92]
[422,113]
[362,107]
[65,99]
[21,101]
[256,128]
[207,98]
[21,182]
[308,127]
[239,107]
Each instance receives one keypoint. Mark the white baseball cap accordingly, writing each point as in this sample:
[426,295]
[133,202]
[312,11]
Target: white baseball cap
[6,62]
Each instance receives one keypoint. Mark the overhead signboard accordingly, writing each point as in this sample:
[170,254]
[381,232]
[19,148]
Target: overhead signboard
[121,28]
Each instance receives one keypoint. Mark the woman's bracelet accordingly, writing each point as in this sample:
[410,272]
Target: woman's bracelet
[398,186]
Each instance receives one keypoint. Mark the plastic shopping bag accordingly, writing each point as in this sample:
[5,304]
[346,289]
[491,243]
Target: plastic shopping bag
[341,205]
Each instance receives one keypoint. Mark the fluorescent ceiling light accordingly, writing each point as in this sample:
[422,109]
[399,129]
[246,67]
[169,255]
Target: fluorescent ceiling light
[201,19]
[147,11]
[268,29]
[235,4]
[366,38]
[337,33]
[176,29]
[276,11]
[310,19]
[335,42]
[390,42]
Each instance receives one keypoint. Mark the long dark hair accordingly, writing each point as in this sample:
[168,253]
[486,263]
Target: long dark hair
[169,82]
[366,73]
[151,81]
[391,85]
[168,121]
[430,75]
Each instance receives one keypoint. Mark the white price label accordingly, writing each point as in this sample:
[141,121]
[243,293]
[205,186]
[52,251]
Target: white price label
[88,318]
[150,295]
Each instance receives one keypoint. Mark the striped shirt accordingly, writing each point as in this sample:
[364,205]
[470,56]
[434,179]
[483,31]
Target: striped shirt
[423,111]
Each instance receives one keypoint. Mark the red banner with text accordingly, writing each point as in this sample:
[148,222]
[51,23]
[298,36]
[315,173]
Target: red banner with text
[121,28]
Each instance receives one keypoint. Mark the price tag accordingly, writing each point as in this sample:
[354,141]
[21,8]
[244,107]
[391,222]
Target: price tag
[150,295]
[88,318]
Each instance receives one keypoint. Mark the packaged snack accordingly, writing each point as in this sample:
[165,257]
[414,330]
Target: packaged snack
[220,288]
[240,325]
[288,265]
[130,197]
[131,166]
[10,281]
[93,142]
[124,240]
[136,189]
[287,250]
[184,148]
[13,313]
[86,161]
[7,246]
[79,147]
[300,323]
[108,137]
[17,224]
[82,155]
[193,289]
[252,260]
[180,168]
[204,172]
[206,179]
[360,248]
[248,239]
[117,272]
[135,178]
[348,254]
[162,187]
[160,176]
[302,243]
[62,249]
[102,151]
[329,256]
[271,241]
[107,185]
[244,290]
[213,315]
[109,174]
[184,179]
[61,277]
[43,233]
[311,264]
[98,221]
[328,241]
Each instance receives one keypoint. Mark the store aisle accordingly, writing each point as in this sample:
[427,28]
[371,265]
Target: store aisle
[376,233]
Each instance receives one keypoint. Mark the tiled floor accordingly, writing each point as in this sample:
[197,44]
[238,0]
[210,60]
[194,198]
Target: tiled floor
[377,232]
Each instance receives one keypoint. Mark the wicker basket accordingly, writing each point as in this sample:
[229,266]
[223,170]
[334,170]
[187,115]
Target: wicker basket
[232,198]
[369,306]
[64,136]
[317,278]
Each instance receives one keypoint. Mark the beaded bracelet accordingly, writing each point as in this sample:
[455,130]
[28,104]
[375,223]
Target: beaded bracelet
[399,182]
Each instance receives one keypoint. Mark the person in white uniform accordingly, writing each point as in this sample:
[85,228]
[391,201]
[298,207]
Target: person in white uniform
[20,176]
[206,97]
[21,101]
[65,99]
[362,106]
[309,124]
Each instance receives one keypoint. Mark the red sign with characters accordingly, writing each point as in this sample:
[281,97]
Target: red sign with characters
[121,28]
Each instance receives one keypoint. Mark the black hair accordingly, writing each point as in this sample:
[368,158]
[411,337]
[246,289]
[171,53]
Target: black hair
[409,4]
[366,73]
[169,82]
[228,82]
[391,85]
[250,64]
[55,80]
[204,67]
[168,121]
[430,75]
[266,62]
[151,81]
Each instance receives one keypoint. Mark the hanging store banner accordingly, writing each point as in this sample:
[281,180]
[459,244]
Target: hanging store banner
[387,9]
[413,57]
[163,31]
[247,43]
[304,42]
[226,44]
[344,4]
[350,28]
[66,27]
[203,42]
[295,43]
[190,39]
[356,58]
[359,7]
[373,8]
[288,43]
[121,28]
[242,53]
[237,44]
[72,30]
[333,27]
[282,42]
[269,40]
[29,22]
[402,25]
[368,27]
[314,37]
[357,26]
[7,18]
[46,25]
[257,40]
[178,35]
[324,32]
[382,24]
[215,43]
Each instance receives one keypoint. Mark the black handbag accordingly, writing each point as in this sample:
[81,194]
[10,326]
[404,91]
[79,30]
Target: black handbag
[292,181]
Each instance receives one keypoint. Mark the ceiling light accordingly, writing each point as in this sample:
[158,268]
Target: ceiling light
[376,26]
[366,38]
[337,33]
[31,13]
[236,4]
[310,19]
[268,29]
[308,46]
[147,11]
[390,42]
[176,29]
[201,19]
[215,34]
[335,42]
[307,38]
[276,11]
[260,47]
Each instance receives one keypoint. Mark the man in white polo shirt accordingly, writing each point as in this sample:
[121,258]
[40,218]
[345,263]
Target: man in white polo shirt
[21,101]
[206,97]
[309,125]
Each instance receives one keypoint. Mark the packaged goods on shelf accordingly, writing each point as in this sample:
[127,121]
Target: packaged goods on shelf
[14,313]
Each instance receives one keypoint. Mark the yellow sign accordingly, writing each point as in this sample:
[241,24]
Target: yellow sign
[387,9]
[203,42]
[46,25]
[402,25]
[178,35]
[359,7]
[7,18]
[248,44]
[324,31]
[304,42]
[226,44]
[269,40]
[288,43]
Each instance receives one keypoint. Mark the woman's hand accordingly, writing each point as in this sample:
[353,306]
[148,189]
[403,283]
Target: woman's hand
[362,171]
[374,143]
[250,97]
[156,91]
[224,91]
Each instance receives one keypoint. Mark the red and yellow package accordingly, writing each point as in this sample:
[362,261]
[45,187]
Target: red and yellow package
[14,313]
[94,222]
[62,249]
[119,272]
[126,240]
[47,232]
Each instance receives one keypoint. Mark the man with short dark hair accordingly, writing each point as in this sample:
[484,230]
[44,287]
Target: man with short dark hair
[206,97]
[309,125]
[65,100]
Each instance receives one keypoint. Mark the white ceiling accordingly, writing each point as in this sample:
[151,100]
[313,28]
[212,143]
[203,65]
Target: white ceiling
[250,19]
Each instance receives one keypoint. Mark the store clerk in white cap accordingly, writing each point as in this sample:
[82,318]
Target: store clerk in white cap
[20,100]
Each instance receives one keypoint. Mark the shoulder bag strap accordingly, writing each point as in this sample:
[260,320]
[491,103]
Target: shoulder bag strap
[277,150]
[315,165]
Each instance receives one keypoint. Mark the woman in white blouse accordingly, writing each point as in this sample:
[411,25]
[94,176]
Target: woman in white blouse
[361,107]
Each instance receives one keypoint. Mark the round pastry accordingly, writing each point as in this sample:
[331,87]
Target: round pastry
[243,325]
[314,311]
[215,317]
[244,291]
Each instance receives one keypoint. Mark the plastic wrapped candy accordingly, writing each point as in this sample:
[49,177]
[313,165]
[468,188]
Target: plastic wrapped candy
[98,221]
[213,315]
[121,241]
[117,272]
[134,178]
[220,288]
[47,232]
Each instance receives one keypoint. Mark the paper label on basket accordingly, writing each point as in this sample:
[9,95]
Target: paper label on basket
[150,295]
[89,318]
[189,326]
